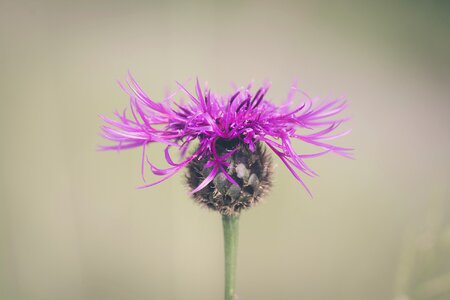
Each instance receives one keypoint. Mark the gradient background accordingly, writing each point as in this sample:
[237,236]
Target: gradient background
[73,226]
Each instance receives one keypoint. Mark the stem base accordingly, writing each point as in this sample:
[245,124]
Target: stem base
[230,237]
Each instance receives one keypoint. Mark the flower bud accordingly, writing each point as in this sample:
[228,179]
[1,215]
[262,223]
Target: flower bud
[251,170]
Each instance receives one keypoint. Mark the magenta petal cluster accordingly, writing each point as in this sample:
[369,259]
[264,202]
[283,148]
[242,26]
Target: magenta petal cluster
[206,117]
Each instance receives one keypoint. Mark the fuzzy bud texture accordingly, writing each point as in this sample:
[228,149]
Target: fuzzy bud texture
[251,171]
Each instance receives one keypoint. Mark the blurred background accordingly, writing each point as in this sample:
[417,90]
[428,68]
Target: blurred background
[73,226]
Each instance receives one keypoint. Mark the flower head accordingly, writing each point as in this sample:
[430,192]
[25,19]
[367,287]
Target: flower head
[229,133]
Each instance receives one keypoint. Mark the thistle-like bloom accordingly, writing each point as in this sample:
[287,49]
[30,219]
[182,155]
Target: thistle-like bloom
[229,169]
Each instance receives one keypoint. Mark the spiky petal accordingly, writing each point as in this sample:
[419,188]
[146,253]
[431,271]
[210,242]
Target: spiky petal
[243,117]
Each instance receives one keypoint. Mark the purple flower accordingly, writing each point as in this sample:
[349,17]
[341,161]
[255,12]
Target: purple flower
[205,119]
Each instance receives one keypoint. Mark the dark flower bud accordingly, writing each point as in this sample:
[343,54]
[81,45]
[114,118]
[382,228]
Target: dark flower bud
[250,170]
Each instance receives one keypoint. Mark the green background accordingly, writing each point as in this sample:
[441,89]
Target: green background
[73,226]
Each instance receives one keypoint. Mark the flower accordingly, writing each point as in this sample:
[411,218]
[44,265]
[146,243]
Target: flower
[230,133]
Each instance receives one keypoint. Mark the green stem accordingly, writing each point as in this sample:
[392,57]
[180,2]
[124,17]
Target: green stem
[230,237]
